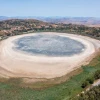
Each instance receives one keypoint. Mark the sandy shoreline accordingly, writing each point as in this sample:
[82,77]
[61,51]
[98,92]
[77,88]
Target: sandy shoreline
[18,64]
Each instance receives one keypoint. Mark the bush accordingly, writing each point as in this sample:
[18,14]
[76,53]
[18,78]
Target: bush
[85,84]
[97,74]
[90,80]
[92,94]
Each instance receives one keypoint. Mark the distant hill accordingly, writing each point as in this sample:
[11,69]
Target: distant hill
[3,18]
[89,21]
[11,27]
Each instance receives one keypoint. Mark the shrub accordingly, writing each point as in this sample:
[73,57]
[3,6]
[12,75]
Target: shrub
[97,74]
[92,94]
[90,80]
[85,84]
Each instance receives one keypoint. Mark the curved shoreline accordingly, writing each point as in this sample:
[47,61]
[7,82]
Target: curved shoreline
[19,64]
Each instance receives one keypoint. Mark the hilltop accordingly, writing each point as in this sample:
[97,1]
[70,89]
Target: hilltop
[89,21]
[13,27]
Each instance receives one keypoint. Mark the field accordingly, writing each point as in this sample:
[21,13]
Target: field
[12,89]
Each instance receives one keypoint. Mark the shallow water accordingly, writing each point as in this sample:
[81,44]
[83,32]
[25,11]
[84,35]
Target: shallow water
[49,45]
